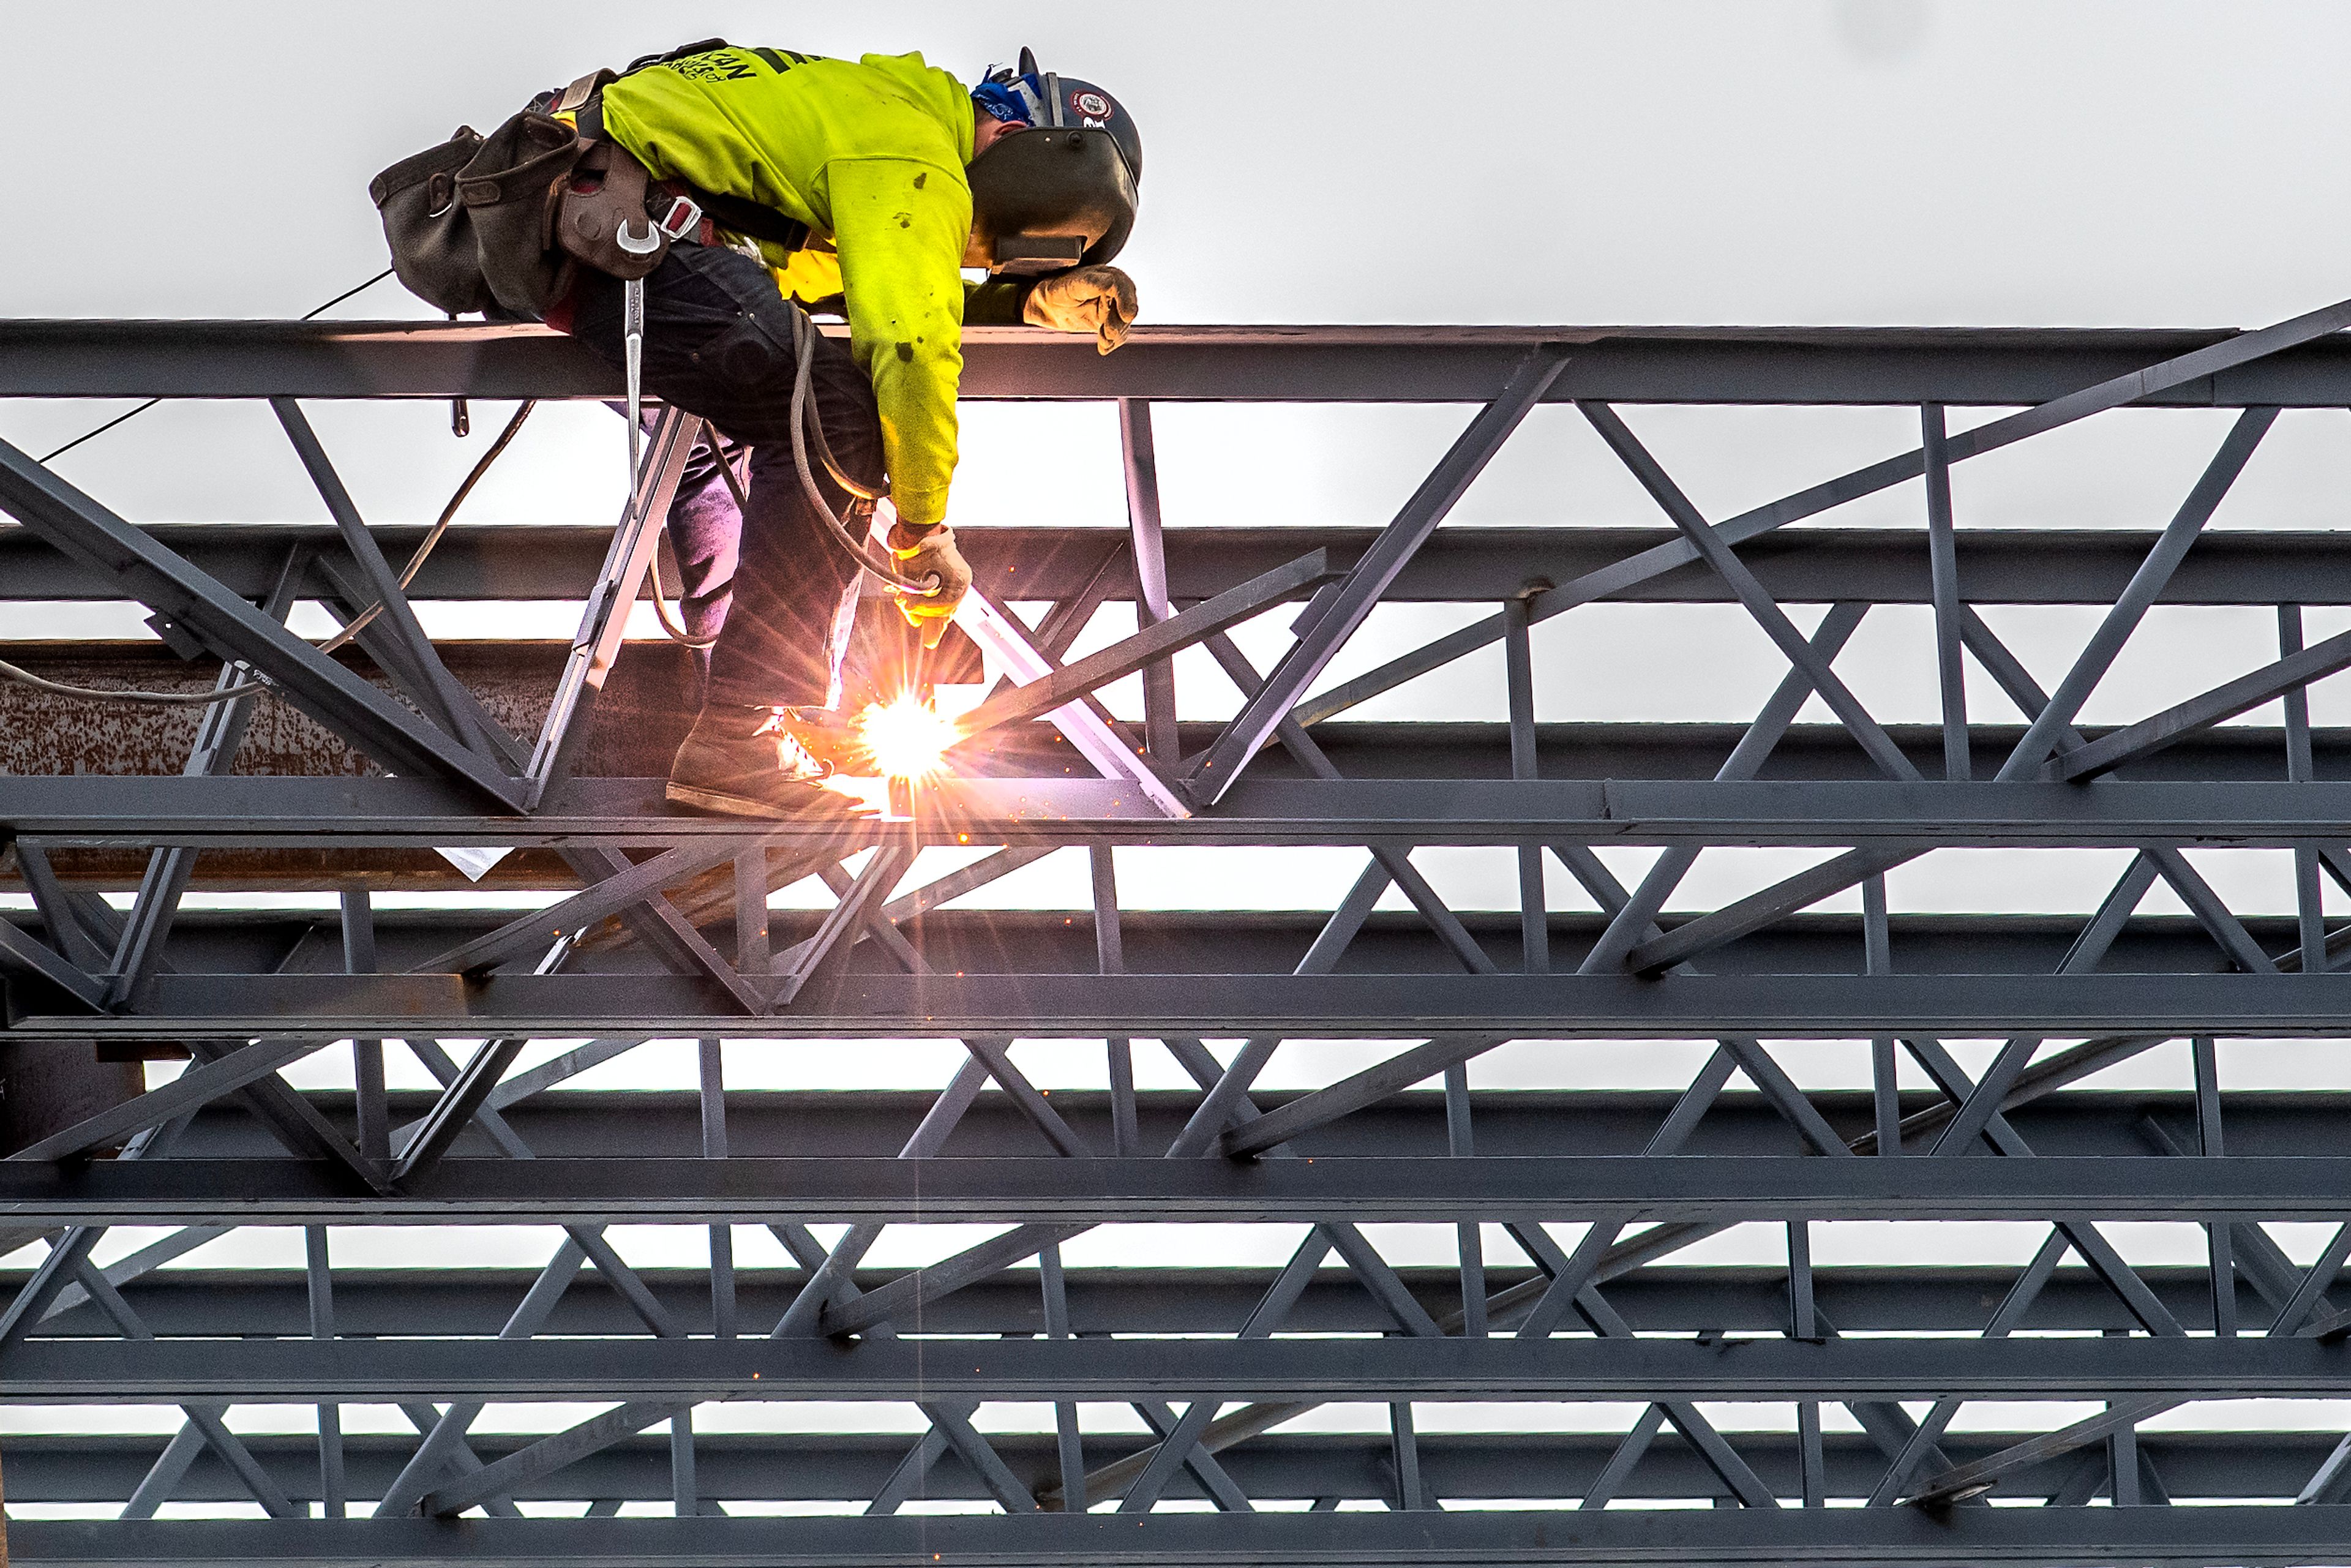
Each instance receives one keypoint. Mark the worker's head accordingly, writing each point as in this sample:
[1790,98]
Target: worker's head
[1055,165]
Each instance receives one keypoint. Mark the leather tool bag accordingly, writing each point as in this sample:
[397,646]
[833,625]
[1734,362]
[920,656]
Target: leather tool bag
[431,234]
[511,191]
[472,221]
[503,219]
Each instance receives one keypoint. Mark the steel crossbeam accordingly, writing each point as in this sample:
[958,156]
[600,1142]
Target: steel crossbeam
[1990,367]
[1462,563]
[1548,1007]
[353,813]
[734,1466]
[1455,1258]
[196,1301]
[2187,1538]
[1442,1368]
[1003,1189]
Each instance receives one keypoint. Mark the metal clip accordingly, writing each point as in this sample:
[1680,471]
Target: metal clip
[683,218]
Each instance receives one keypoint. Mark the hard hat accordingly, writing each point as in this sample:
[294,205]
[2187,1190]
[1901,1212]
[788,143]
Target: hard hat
[1062,193]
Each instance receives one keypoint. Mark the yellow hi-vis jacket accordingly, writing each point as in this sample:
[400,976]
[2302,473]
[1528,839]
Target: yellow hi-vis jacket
[870,154]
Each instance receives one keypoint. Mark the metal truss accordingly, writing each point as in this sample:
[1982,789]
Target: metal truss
[1552,1342]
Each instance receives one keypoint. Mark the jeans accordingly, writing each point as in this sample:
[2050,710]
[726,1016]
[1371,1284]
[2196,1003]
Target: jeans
[771,582]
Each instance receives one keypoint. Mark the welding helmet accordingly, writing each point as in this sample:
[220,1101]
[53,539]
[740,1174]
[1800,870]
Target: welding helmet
[1061,194]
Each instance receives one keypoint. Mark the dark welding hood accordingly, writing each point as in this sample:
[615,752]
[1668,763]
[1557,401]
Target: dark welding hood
[1062,193]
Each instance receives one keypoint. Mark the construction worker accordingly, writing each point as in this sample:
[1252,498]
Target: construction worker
[872,183]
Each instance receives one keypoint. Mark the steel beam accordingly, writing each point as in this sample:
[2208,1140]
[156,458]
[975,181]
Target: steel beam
[1229,941]
[1627,364]
[493,562]
[321,814]
[200,1302]
[836,1466]
[1408,1367]
[2027,1538]
[1046,1190]
[1546,1007]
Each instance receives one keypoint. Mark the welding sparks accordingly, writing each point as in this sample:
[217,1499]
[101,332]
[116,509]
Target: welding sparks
[906,739]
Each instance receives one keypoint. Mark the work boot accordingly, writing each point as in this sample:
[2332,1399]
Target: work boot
[743,762]
[825,736]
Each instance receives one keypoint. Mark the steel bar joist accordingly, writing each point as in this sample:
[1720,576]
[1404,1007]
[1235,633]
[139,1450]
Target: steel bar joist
[1744,1021]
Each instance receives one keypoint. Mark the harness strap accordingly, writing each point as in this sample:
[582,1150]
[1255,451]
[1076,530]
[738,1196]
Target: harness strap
[750,219]
[575,97]
[583,102]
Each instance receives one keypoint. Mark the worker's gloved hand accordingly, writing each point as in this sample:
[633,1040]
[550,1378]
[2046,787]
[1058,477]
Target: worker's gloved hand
[1097,299]
[930,554]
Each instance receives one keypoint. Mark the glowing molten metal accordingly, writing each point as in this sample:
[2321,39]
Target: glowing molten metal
[907,739]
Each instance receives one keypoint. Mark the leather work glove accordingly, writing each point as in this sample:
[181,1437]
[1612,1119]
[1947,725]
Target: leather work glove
[1098,299]
[925,554]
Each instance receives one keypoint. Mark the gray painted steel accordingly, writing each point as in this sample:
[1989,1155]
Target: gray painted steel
[816,1468]
[2186,1536]
[1013,1190]
[1439,1368]
[1217,364]
[210,1303]
[364,812]
[1557,1271]
[1354,1007]
[478,561]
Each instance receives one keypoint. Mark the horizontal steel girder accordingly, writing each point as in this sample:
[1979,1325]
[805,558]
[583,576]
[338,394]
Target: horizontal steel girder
[1557,1368]
[1349,1006]
[322,812]
[1508,1123]
[829,1466]
[638,725]
[2027,1538]
[1461,563]
[1722,1188]
[1228,942]
[226,1303]
[1994,366]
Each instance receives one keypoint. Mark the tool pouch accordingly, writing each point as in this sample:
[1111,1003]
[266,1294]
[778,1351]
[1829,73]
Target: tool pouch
[431,234]
[472,221]
[605,191]
[511,191]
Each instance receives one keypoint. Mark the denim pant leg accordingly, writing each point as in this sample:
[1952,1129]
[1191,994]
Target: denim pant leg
[705,534]
[718,344]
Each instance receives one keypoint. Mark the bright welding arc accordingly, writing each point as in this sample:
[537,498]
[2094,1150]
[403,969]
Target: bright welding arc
[908,739]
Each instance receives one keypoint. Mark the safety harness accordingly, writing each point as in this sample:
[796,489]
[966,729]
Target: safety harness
[681,210]
[504,220]
[680,213]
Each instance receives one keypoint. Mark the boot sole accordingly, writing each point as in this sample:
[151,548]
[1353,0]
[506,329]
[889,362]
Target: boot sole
[819,805]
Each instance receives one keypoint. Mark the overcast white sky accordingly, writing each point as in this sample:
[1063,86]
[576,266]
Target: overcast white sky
[1738,160]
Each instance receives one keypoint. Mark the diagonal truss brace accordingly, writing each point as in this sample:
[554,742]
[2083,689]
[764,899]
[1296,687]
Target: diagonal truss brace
[234,628]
